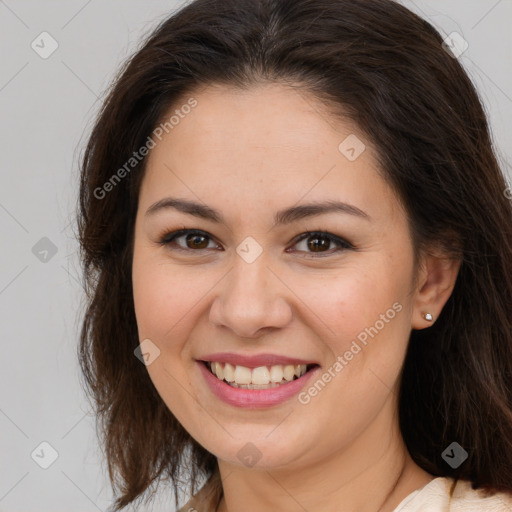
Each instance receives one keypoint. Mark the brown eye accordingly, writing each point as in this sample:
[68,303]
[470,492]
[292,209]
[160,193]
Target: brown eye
[192,240]
[318,243]
[196,241]
[321,243]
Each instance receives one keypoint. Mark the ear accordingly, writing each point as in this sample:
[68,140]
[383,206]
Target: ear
[436,278]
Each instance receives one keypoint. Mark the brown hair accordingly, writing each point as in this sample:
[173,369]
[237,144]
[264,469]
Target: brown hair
[383,67]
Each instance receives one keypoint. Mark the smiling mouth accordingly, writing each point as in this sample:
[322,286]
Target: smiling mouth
[262,377]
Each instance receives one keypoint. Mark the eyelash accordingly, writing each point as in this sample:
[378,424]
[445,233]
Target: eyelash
[168,238]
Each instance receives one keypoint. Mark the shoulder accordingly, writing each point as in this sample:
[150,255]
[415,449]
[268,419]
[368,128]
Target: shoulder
[467,499]
[444,494]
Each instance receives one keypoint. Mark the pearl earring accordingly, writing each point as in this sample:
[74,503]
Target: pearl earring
[428,317]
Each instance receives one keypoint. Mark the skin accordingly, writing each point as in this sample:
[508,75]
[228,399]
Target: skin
[249,154]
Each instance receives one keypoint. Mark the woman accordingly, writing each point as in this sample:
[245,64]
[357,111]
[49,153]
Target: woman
[297,244]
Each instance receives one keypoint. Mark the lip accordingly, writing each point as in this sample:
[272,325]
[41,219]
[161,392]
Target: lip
[255,398]
[253,361]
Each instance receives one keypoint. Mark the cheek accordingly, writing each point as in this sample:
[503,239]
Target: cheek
[353,300]
[367,335]
[164,297]
[363,316]
[163,304]
[152,300]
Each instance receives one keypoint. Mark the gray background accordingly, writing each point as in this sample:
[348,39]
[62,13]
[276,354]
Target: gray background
[46,109]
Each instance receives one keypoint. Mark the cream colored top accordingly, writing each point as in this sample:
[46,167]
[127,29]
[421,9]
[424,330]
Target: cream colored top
[442,494]
[435,497]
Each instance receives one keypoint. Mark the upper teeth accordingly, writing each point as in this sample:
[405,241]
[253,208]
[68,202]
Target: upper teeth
[260,375]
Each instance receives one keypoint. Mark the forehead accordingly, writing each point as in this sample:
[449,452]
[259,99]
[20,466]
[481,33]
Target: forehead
[269,145]
[263,116]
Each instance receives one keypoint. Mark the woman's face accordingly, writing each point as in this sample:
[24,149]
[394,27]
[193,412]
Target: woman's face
[250,284]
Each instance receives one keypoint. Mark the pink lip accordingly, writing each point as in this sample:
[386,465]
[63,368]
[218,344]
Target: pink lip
[253,361]
[255,398]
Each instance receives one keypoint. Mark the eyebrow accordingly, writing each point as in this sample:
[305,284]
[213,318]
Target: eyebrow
[286,216]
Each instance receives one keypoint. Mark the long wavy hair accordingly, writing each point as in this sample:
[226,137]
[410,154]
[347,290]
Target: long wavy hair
[383,67]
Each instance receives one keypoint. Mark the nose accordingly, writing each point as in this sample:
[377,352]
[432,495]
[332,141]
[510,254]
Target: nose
[251,300]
